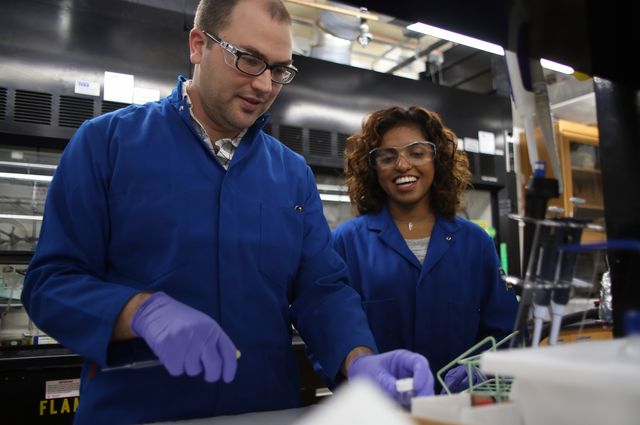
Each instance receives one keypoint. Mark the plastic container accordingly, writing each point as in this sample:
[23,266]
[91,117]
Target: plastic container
[581,383]
[405,391]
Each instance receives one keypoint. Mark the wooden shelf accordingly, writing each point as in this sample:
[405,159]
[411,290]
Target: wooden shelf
[585,170]
[590,207]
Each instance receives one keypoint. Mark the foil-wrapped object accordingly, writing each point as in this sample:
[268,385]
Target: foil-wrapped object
[605,310]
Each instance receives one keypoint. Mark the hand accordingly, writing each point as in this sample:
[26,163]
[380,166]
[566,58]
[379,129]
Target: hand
[457,379]
[185,339]
[386,368]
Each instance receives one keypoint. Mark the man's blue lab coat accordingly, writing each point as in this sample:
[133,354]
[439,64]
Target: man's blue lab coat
[139,203]
[439,309]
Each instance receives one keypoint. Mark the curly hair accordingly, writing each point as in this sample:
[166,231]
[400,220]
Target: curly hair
[452,175]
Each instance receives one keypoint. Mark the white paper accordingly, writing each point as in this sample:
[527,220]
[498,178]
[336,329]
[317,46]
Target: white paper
[471,145]
[118,87]
[487,142]
[91,88]
[142,95]
[460,144]
[62,388]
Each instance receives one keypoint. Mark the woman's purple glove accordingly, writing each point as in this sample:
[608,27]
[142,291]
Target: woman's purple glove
[386,368]
[457,379]
[185,339]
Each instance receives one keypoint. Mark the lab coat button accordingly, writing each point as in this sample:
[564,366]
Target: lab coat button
[448,237]
[299,208]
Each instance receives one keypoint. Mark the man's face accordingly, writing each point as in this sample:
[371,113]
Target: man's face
[227,99]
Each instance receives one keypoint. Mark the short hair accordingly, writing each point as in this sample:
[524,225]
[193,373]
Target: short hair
[452,175]
[214,15]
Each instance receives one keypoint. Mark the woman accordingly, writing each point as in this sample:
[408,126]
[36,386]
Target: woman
[429,280]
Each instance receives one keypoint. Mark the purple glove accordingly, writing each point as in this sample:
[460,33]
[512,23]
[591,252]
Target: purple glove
[185,339]
[457,379]
[384,369]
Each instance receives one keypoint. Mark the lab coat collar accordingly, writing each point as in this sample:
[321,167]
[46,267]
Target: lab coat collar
[442,237]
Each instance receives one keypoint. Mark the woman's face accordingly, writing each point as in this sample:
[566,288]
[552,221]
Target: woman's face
[405,183]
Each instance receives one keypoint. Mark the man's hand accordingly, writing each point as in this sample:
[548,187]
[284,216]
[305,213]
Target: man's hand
[185,339]
[384,369]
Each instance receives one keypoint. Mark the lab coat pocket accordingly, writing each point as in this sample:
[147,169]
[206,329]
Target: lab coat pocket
[281,234]
[384,320]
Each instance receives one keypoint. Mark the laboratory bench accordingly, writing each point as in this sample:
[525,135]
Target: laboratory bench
[275,417]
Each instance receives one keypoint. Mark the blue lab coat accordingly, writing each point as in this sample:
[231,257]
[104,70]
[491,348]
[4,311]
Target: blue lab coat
[438,309]
[138,202]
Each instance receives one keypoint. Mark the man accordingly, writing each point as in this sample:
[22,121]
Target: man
[179,230]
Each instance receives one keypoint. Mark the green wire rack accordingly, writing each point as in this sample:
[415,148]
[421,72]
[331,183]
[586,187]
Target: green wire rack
[494,386]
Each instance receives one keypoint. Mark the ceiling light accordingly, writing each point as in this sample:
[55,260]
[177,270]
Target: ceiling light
[20,176]
[479,44]
[21,217]
[558,67]
[456,38]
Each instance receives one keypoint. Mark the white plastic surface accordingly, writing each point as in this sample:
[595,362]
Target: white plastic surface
[457,409]
[584,383]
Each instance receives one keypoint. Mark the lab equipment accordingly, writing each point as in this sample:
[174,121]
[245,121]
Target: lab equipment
[565,272]
[143,364]
[580,383]
[539,190]
[185,339]
[134,365]
[545,273]
[383,367]
[495,387]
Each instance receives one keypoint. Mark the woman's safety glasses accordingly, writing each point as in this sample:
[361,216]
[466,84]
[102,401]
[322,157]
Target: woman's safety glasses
[415,153]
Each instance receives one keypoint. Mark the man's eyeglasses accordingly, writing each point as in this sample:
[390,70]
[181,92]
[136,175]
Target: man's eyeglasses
[252,65]
[416,153]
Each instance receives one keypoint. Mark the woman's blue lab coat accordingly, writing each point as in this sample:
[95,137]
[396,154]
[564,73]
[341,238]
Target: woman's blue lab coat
[138,202]
[438,309]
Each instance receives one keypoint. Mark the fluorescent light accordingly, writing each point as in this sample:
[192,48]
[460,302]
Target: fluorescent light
[456,38]
[555,66]
[32,177]
[334,198]
[331,187]
[21,217]
[28,165]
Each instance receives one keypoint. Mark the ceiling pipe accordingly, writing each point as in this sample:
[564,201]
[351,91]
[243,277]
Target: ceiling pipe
[417,56]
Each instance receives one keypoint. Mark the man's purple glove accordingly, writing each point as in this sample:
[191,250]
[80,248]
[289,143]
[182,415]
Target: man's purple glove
[185,339]
[457,379]
[386,368]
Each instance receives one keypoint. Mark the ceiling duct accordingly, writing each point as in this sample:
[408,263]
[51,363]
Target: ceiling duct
[335,32]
